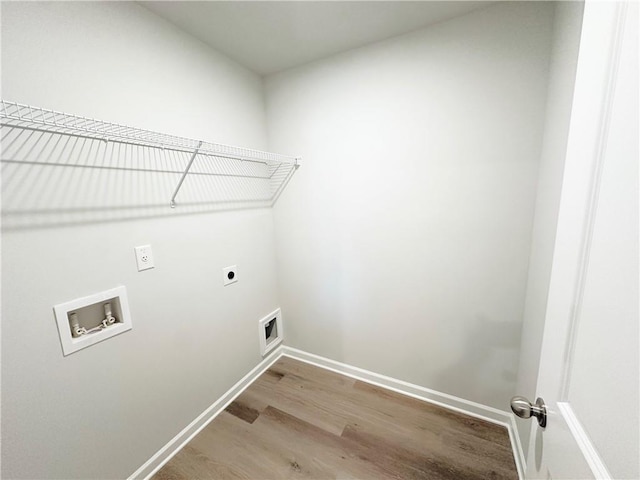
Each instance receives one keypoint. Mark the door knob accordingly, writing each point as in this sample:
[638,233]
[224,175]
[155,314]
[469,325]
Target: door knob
[525,409]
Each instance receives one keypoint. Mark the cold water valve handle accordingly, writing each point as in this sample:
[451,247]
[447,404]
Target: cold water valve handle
[109,319]
[76,329]
[525,409]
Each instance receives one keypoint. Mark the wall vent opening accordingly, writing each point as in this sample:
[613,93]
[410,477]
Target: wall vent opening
[270,332]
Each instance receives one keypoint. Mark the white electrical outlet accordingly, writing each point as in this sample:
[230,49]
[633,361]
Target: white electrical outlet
[229,275]
[144,257]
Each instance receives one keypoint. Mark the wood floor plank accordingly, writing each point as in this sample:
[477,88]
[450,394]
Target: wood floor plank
[237,444]
[287,396]
[252,400]
[390,411]
[393,402]
[290,367]
[415,462]
[243,411]
[272,375]
[340,457]
[419,452]
[190,463]
[300,421]
[474,442]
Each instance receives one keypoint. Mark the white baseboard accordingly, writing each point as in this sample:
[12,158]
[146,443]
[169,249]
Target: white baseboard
[473,409]
[174,445]
[588,449]
[451,402]
[516,446]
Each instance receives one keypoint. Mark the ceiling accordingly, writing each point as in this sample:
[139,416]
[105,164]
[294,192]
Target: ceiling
[270,36]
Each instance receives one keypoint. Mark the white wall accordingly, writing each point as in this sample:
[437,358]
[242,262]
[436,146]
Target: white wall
[102,412]
[403,242]
[564,57]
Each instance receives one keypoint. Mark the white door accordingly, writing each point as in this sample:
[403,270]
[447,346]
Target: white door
[589,370]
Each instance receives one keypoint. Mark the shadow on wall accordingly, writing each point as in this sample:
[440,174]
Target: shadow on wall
[51,179]
[488,366]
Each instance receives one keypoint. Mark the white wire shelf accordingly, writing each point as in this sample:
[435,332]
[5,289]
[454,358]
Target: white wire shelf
[219,173]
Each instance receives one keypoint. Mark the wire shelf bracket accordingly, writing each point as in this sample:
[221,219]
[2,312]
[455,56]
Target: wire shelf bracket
[184,175]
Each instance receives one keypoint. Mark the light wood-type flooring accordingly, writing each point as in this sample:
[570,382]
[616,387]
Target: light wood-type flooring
[300,421]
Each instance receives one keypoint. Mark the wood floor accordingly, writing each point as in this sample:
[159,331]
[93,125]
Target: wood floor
[300,421]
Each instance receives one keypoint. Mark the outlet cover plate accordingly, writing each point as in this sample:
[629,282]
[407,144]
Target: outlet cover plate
[229,275]
[144,257]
